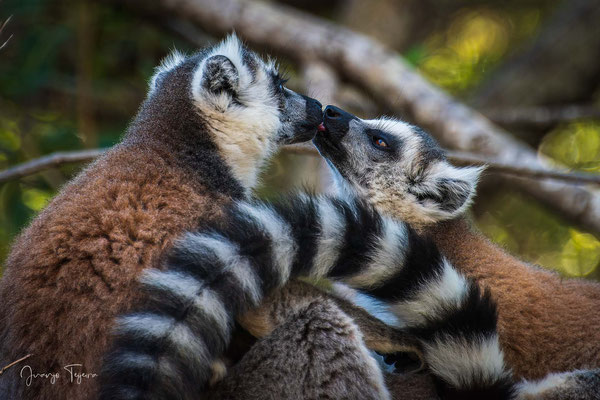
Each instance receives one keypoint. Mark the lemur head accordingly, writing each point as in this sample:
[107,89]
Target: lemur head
[397,166]
[237,102]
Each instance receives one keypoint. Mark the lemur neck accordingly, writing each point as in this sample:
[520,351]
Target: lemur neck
[186,146]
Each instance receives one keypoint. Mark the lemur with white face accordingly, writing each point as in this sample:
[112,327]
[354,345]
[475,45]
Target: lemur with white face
[208,125]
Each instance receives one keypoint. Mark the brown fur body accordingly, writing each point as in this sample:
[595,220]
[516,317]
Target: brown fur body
[283,304]
[546,323]
[75,267]
[313,347]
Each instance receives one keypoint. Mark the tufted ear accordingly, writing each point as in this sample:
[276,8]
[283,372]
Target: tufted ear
[219,75]
[446,191]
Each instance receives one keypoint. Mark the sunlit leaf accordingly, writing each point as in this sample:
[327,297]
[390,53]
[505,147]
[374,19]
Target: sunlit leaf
[534,234]
[36,199]
[9,138]
[576,145]
[581,254]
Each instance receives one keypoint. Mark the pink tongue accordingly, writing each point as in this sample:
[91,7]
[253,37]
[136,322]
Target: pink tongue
[321,128]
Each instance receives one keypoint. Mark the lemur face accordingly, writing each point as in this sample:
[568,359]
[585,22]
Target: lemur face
[243,102]
[396,166]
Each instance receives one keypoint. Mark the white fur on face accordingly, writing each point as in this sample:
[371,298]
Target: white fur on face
[244,131]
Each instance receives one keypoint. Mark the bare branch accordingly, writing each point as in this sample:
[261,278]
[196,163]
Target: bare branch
[55,160]
[2,29]
[14,363]
[391,81]
[541,117]
[50,161]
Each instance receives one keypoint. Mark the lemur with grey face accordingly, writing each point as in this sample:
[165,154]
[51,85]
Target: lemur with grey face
[209,123]
[402,171]
[394,165]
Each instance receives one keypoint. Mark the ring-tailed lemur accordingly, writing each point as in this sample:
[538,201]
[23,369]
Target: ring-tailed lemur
[208,124]
[166,348]
[547,324]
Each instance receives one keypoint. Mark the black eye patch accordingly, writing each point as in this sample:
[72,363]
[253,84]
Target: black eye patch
[382,141]
[279,83]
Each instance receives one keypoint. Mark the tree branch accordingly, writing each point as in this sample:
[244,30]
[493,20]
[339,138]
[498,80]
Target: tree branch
[389,79]
[14,363]
[50,161]
[2,26]
[57,159]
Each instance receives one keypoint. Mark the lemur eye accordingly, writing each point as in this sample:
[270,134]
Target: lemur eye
[281,84]
[379,142]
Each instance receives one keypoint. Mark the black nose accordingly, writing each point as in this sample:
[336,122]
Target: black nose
[314,110]
[337,121]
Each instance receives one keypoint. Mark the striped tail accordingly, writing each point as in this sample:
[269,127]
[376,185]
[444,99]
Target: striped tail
[216,274]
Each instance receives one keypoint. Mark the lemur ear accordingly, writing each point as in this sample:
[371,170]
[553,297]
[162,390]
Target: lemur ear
[447,191]
[219,75]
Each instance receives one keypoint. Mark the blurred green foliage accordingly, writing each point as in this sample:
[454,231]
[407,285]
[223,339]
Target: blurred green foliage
[576,145]
[39,114]
[457,59]
[477,38]
[523,227]
[38,91]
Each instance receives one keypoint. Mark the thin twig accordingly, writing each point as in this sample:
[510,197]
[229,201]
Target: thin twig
[459,157]
[50,161]
[1,29]
[14,363]
[5,23]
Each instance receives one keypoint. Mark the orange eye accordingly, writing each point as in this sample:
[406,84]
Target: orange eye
[379,142]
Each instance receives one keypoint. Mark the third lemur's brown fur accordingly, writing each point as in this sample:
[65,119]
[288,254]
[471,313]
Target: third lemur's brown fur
[313,347]
[545,322]
[297,295]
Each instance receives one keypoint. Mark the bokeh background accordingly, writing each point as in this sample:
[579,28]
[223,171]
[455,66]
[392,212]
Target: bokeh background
[74,72]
